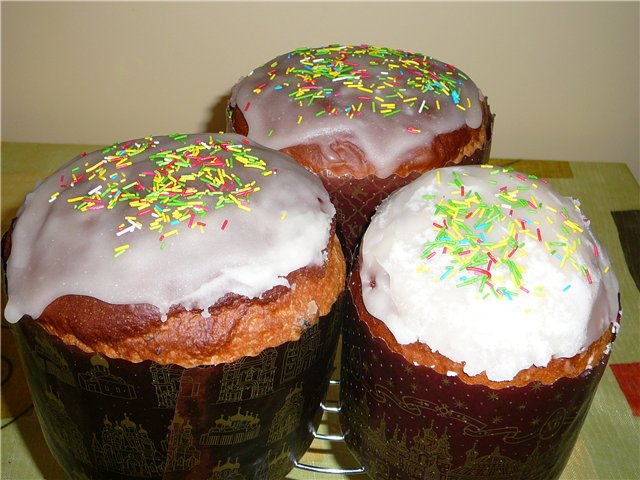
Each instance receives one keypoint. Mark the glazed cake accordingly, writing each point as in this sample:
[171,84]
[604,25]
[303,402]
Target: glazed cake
[481,314]
[367,119]
[501,260]
[189,249]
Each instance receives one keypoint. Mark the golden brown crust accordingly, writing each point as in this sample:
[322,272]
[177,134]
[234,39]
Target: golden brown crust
[419,353]
[446,149]
[237,326]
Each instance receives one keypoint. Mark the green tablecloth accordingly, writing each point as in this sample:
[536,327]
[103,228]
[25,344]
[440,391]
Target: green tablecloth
[609,444]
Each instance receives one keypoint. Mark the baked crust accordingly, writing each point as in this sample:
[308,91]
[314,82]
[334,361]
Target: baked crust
[419,353]
[464,145]
[236,326]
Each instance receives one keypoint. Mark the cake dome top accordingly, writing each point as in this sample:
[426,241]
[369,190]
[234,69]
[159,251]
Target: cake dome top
[387,102]
[489,267]
[179,220]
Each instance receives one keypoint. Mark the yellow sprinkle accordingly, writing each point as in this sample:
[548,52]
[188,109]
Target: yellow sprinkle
[283,216]
[573,226]
[438,104]
[299,119]
[120,250]
[461,107]
[438,177]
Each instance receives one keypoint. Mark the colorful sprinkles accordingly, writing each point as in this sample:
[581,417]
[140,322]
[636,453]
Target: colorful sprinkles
[179,187]
[495,264]
[387,82]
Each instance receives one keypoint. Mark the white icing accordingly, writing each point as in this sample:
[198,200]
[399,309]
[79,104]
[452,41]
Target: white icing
[560,316]
[277,117]
[58,250]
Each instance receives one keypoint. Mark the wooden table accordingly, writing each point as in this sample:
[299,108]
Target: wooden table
[609,443]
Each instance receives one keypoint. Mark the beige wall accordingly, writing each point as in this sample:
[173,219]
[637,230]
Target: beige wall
[562,78]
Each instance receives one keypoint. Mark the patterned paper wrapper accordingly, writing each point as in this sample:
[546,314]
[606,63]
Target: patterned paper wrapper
[107,418]
[405,422]
[356,199]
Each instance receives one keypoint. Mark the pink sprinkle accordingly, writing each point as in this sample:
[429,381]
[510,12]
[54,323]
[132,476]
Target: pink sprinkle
[430,256]
[224,224]
[539,234]
[522,177]
[502,189]
[588,276]
[462,191]
[595,251]
[512,252]
[524,289]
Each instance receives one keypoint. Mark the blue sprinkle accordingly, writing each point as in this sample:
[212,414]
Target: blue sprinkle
[566,288]
[445,274]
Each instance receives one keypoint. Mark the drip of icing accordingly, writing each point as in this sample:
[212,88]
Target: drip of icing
[387,102]
[489,267]
[179,220]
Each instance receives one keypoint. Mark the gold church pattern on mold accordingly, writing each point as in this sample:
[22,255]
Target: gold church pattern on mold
[101,381]
[426,456]
[287,418]
[51,360]
[300,354]
[248,377]
[61,427]
[169,382]
[226,471]
[232,429]
[473,426]
[277,467]
[125,447]
[182,455]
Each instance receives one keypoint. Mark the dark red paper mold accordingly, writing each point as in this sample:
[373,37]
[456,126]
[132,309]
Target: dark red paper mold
[112,419]
[356,199]
[405,421]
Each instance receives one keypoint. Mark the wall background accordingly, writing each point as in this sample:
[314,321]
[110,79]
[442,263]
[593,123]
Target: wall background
[562,78]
